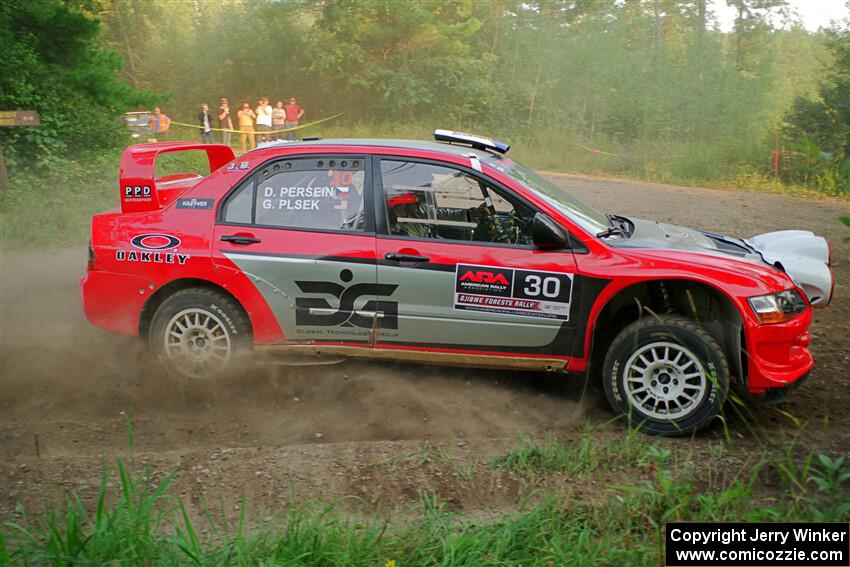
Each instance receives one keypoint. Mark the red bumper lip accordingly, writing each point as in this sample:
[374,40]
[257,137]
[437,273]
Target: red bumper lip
[778,354]
[777,395]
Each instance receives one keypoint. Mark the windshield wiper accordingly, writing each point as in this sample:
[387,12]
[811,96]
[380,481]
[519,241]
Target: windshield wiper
[619,225]
[611,231]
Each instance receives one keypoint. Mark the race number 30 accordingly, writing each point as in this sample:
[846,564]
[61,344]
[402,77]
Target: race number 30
[542,285]
[548,286]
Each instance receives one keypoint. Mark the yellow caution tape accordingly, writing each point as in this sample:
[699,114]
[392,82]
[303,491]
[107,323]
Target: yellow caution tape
[261,132]
[597,151]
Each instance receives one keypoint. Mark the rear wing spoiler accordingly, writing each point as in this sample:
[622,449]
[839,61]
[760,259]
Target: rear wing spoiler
[141,190]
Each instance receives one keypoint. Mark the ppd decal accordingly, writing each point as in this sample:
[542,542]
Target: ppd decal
[137,192]
[318,312]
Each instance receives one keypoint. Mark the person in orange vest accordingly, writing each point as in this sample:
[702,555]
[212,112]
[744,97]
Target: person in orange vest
[159,124]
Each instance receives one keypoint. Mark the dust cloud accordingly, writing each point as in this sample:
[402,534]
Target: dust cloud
[74,386]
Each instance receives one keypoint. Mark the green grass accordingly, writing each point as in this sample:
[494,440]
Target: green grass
[579,457]
[54,207]
[193,161]
[147,526]
[136,520]
[742,164]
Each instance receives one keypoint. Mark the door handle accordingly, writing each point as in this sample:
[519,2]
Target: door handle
[398,257]
[241,239]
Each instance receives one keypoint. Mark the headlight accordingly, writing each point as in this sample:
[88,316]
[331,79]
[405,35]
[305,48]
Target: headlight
[777,307]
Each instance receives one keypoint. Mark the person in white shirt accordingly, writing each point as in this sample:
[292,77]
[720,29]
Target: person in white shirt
[264,120]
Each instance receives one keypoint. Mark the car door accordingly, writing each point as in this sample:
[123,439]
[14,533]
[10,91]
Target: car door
[459,249]
[299,229]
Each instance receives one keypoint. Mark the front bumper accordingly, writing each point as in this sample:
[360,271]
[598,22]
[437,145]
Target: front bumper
[778,355]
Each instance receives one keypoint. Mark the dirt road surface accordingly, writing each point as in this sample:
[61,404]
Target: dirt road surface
[366,429]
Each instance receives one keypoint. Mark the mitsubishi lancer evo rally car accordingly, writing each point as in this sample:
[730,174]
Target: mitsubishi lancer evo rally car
[447,252]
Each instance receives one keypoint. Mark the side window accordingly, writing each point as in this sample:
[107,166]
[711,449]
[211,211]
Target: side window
[238,206]
[311,193]
[431,201]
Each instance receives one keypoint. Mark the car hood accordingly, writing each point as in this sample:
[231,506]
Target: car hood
[801,254]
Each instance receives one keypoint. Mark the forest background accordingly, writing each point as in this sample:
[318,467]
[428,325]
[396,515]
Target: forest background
[638,88]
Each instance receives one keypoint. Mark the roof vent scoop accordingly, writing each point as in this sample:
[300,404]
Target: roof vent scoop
[477,142]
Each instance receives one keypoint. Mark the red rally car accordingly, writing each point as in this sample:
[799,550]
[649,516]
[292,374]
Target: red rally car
[447,252]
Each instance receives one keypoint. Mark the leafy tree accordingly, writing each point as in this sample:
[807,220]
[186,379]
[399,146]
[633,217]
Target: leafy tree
[405,58]
[52,63]
[653,83]
[751,21]
[822,125]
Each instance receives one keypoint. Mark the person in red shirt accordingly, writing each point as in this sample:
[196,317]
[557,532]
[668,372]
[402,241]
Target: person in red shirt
[293,116]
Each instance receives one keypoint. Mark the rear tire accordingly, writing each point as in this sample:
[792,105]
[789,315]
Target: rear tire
[666,376]
[198,333]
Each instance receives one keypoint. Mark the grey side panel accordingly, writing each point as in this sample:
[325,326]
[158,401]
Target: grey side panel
[411,306]
[316,299]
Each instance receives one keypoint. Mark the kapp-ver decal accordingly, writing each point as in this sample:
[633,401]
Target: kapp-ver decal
[513,291]
[195,203]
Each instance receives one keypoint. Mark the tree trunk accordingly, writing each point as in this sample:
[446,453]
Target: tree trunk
[128,45]
[739,32]
[701,18]
[656,41]
[534,91]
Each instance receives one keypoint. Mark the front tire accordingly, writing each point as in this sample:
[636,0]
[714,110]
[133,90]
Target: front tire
[666,376]
[197,333]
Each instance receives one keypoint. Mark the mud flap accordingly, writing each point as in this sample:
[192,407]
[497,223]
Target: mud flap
[773,396]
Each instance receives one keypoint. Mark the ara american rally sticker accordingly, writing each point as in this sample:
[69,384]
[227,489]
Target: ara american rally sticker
[513,291]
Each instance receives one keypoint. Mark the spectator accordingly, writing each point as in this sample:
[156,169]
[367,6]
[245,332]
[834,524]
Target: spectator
[224,121]
[246,118]
[264,119]
[159,125]
[278,119]
[205,119]
[293,116]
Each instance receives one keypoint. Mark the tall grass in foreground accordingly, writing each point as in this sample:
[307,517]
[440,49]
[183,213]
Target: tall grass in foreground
[135,521]
[146,526]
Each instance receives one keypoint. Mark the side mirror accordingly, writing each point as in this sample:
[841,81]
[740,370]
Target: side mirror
[547,234]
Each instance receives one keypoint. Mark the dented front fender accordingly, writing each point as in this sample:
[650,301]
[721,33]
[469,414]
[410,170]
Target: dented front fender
[804,256]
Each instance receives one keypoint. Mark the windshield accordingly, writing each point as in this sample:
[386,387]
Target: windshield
[586,216]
